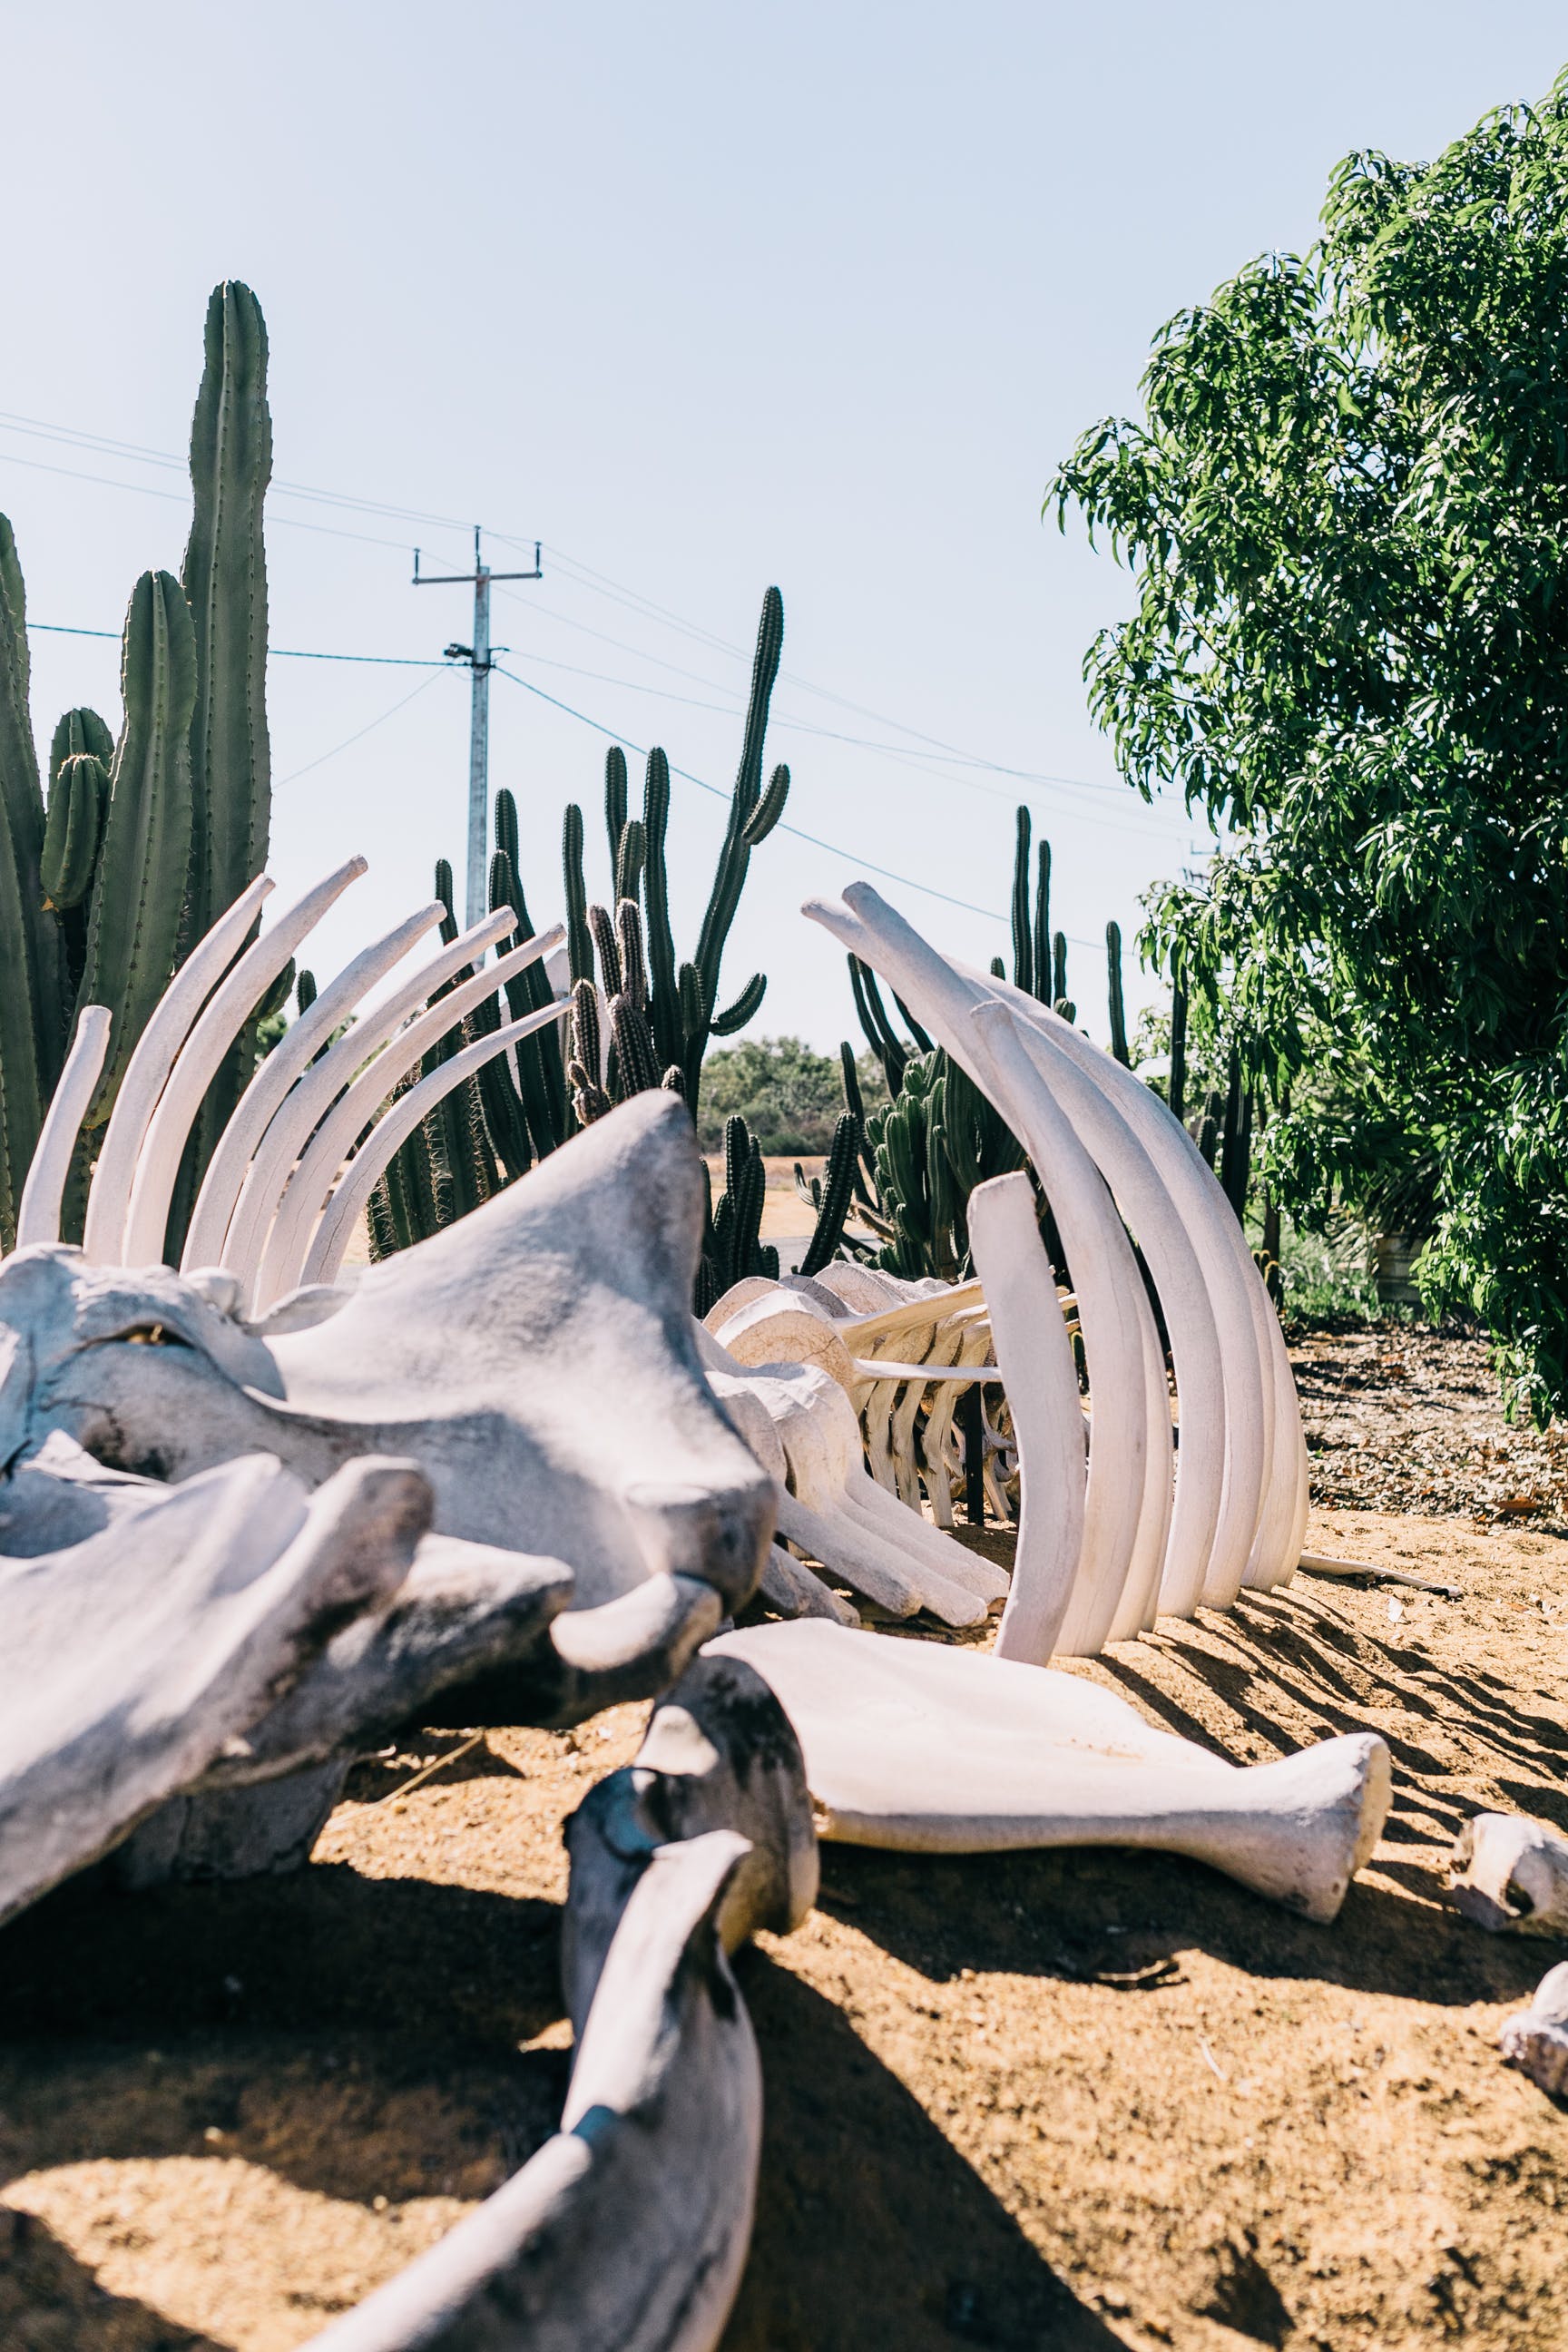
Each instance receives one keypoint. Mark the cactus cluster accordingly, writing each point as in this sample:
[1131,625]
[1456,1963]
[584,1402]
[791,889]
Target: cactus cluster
[639,1018]
[147,836]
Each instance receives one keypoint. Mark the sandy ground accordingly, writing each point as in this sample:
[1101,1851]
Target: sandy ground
[1074,2100]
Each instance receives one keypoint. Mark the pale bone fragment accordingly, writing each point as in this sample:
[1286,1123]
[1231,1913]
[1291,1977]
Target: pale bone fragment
[264,1191]
[718,1753]
[1535,2039]
[927,1749]
[628,2230]
[537,1359]
[1511,1875]
[831,1509]
[276,1073]
[789,1586]
[128,1662]
[1260,1394]
[39,1213]
[146,1073]
[1042,1385]
[221,1023]
[351,1197]
[308,1182]
[793,1588]
[1317,1563]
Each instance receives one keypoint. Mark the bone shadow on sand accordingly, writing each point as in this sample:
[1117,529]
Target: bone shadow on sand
[1104,1915]
[859,2183]
[51,2302]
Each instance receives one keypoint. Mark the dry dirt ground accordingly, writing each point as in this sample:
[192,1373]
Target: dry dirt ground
[1072,2100]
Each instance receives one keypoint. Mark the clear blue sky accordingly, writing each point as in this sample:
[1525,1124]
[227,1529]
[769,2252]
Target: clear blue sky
[703,297]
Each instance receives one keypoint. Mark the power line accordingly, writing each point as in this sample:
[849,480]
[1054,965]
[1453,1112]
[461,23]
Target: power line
[322,757]
[279,653]
[835,848]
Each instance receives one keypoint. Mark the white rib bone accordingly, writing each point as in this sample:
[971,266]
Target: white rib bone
[294,1123]
[147,1072]
[202,1056]
[290,1058]
[351,1197]
[1036,1355]
[305,1191]
[1259,1389]
[924,1749]
[42,1194]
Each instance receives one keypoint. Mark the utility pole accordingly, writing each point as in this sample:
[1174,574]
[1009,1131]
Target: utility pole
[480,660]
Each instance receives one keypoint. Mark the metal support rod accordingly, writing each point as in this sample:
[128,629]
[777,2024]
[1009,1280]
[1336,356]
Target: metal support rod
[481,659]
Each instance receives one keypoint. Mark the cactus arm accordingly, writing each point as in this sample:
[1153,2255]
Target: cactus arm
[629,859]
[225,578]
[140,903]
[1023,943]
[768,809]
[31,1000]
[1176,1094]
[43,1195]
[837,1192]
[506,827]
[1039,984]
[1059,964]
[615,800]
[1117,1005]
[579,941]
[264,1098]
[735,1017]
[633,1048]
[663,988]
[734,855]
[202,1056]
[72,829]
[603,933]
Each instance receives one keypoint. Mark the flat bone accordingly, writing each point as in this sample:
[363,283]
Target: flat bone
[628,2230]
[129,1661]
[1511,1875]
[1535,2040]
[927,1749]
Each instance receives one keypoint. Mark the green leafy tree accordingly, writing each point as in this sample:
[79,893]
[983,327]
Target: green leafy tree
[1346,512]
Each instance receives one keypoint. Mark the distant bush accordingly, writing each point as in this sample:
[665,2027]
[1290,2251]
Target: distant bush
[788,1095]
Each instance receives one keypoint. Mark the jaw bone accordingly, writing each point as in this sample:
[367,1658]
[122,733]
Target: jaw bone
[922,1748]
[537,1361]
[130,1661]
[1511,1875]
[627,2231]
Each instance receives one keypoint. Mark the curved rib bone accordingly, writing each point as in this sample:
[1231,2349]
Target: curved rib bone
[147,1072]
[38,1214]
[294,1123]
[305,1192]
[923,1749]
[1032,1344]
[128,1662]
[202,1055]
[359,1179]
[290,1058]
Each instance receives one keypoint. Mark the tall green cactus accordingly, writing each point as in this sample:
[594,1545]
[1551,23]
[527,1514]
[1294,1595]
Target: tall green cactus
[1118,1004]
[224,580]
[140,901]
